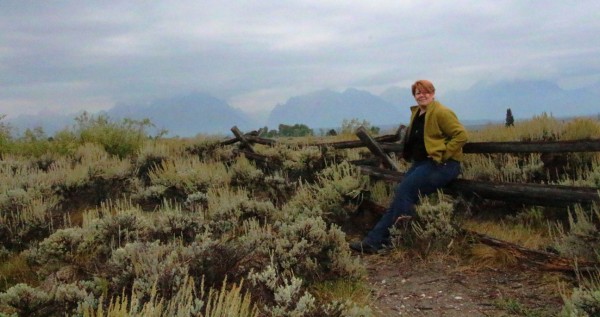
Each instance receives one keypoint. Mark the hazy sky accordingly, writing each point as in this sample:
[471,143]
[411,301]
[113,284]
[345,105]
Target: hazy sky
[70,55]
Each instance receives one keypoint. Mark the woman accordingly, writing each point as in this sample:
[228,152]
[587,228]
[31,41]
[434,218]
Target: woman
[433,145]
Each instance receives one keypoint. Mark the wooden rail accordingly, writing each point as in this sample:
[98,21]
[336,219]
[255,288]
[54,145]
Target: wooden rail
[533,194]
[518,147]
[392,143]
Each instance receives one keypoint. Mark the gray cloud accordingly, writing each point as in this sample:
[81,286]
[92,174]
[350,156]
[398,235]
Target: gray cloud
[72,55]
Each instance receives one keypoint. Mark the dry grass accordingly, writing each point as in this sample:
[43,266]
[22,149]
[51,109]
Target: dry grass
[342,290]
[16,270]
[526,236]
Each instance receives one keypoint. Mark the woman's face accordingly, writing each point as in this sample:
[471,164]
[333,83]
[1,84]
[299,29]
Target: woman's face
[423,98]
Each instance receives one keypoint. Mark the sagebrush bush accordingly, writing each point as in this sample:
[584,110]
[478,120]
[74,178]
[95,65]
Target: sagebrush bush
[584,300]
[207,148]
[150,156]
[141,265]
[229,207]
[244,173]
[172,223]
[186,175]
[435,217]
[581,239]
[434,227]
[313,250]
[101,165]
[337,185]
[29,301]
[289,297]
[30,224]
[90,246]
[502,167]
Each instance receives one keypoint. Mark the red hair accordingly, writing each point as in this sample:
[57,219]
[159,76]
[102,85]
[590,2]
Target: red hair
[423,85]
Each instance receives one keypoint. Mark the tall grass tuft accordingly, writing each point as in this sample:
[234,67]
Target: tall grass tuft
[228,301]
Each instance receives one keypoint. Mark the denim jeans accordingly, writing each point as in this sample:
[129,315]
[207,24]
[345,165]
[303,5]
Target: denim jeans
[423,177]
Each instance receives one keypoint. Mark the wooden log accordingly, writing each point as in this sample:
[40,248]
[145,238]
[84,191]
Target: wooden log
[545,260]
[372,145]
[229,141]
[518,147]
[371,161]
[256,157]
[533,147]
[263,141]
[392,147]
[531,194]
[238,134]
[251,139]
[357,143]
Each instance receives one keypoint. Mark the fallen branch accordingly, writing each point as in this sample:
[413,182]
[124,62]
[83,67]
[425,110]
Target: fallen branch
[545,260]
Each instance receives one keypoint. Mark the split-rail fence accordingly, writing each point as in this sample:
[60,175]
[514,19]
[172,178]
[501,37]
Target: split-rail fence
[524,193]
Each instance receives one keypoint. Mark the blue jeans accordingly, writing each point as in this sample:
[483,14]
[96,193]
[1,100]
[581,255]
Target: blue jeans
[423,177]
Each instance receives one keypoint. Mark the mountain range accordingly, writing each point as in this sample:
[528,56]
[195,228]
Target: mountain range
[187,115]
[328,109]
[200,113]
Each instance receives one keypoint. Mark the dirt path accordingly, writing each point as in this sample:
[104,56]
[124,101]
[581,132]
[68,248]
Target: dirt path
[442,287]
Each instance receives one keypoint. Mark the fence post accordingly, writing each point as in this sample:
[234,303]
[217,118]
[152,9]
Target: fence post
[238,134]
[374,147]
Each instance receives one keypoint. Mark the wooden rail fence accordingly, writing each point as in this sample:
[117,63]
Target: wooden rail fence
[526,193]
[533,194]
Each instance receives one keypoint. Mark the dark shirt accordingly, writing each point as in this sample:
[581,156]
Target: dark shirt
[415,146]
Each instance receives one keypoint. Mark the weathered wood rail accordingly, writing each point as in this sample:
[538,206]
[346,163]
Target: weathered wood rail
[531,194]
[518,147]
[522,193]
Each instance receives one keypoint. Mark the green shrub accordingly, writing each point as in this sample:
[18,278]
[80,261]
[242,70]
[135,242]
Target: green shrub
[121,139]
[5,136]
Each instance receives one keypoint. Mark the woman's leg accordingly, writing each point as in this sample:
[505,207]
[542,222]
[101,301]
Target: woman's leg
[423,178]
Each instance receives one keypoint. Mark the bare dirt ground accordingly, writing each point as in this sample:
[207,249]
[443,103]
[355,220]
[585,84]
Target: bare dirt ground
[405,284]
[442,287]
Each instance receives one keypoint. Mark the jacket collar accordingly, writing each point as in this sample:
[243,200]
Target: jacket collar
[430,106]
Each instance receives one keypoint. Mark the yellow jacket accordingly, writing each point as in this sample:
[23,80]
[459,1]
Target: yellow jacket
[444,134]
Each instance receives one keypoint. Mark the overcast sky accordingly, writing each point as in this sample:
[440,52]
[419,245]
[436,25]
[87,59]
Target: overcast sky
[65,56]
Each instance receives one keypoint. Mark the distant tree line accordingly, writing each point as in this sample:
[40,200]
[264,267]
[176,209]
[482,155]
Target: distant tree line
[299,130]
[285,130]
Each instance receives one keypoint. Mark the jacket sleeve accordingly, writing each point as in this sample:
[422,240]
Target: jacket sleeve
[456,134]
